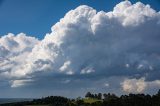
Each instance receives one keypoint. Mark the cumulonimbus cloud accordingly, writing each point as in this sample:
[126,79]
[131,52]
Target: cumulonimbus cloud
[123,42]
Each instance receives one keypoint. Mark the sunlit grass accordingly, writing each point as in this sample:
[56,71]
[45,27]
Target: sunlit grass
[91,100]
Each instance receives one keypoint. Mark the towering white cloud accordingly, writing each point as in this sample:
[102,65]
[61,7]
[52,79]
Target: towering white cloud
[14,50]
[87,38]
[123,42]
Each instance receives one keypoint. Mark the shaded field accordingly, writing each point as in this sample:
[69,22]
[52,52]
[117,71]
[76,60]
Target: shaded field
[12,100]
[37,105]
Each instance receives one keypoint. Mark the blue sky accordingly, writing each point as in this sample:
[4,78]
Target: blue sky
[35,17]
[114,50]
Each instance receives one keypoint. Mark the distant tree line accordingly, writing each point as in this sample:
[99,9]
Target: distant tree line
[105,99]
[96,96]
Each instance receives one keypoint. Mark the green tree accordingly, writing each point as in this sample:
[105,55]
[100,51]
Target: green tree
[88,95]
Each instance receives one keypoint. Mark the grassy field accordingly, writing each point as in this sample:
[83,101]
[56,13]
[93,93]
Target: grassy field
[86,100]
[91,100]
